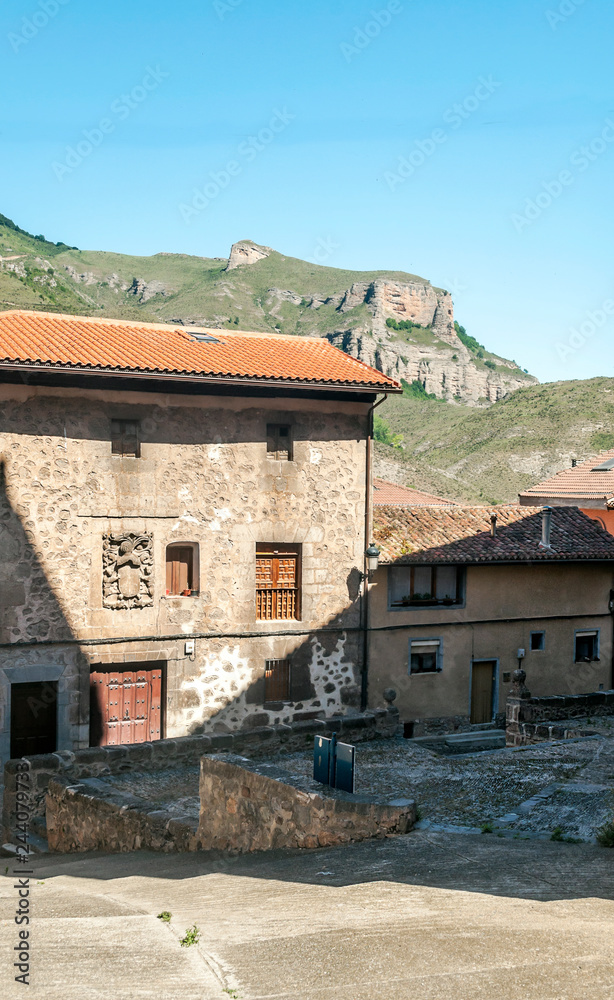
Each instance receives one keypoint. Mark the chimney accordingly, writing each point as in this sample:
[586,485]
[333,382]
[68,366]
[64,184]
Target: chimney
[546,519]
[574,462]
[493,525]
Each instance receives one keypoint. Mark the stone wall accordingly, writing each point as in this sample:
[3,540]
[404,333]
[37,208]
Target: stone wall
[533,720]
[248,807]
[89,817]
[244,806]
[94,762]
[204,478]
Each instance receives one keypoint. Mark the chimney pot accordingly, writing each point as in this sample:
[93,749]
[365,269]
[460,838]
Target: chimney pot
[574,462]
[493,525]
[546,526]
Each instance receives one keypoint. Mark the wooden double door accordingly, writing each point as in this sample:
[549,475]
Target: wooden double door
[126,704]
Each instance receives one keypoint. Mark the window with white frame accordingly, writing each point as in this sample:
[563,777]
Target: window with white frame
[415,586]
[425,656]
[587,645]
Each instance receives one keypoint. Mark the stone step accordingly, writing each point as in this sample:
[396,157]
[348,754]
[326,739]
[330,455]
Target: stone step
[458,743]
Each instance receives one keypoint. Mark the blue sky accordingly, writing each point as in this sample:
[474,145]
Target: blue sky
[444,139]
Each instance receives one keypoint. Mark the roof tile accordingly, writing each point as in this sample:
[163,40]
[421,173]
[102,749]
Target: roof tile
[80,342]
[385,493]
[458,534]
[579,482]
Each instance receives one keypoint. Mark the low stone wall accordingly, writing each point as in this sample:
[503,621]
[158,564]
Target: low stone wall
[97,761]
[91,817]
[244,806]
[445,725]
[554,717]
[250,807]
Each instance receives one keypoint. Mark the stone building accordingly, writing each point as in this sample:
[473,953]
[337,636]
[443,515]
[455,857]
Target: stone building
[462,593]
[183,520]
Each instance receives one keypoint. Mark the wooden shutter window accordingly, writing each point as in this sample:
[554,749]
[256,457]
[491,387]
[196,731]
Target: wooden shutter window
[279,442]
[277,680]
[180,570]
[125,438]
[277,584]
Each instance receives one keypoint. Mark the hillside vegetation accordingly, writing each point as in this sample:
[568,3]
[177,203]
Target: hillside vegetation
[489,456]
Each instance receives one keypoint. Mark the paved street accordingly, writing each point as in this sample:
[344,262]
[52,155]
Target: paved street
[427,915]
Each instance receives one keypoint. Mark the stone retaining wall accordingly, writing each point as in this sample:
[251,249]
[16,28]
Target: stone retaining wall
[533,720]
[98,761]
[90,817]
[249,807]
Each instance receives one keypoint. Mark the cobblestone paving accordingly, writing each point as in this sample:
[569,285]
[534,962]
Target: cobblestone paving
[527,791]
[480,788]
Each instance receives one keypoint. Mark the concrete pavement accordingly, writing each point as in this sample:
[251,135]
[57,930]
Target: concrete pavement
[427,915]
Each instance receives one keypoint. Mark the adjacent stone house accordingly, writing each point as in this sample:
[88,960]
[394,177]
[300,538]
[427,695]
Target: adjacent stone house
[588,485]
[183,520]
[462,593]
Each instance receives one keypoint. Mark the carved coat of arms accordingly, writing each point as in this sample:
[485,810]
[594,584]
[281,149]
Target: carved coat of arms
[127,571]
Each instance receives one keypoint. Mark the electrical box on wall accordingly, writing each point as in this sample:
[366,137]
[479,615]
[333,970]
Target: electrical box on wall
[189,648]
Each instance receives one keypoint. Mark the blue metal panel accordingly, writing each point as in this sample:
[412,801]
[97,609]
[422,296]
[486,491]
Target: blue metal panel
[344,771]
[333,763]
[321,759]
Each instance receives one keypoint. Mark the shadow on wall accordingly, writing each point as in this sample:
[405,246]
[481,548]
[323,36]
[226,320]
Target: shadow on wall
[43,688]
[45,676]
[321,670]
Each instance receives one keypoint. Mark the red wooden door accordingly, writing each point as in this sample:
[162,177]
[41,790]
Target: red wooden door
[125,706]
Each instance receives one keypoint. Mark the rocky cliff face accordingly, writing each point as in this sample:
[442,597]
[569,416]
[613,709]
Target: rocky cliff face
[431,352]
[398,323]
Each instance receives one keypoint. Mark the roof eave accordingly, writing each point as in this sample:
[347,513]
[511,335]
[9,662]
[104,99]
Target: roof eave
[192,378]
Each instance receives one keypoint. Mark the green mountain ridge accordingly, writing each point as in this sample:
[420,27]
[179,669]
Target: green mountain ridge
[489,456]
[396,322]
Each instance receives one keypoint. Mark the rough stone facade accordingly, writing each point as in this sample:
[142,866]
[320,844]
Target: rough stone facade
[203,478]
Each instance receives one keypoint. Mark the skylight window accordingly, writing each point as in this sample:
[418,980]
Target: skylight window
[606,466]
[204,338]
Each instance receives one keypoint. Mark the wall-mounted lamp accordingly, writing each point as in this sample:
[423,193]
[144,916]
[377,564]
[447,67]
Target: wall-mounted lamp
[372,555]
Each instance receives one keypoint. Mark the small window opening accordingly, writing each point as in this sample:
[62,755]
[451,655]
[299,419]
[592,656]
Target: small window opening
[125,438]
[277,680]
[538,641]
[425,656]
[181,570]
[279,442]
[587,646]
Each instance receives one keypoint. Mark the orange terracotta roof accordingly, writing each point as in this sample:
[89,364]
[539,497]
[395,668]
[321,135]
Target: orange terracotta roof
[458,534]
[580,482]
[80,343]
[385,493]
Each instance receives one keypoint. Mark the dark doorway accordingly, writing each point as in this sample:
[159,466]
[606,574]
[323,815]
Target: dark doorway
[482,691]
[125,704]
[34,718]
